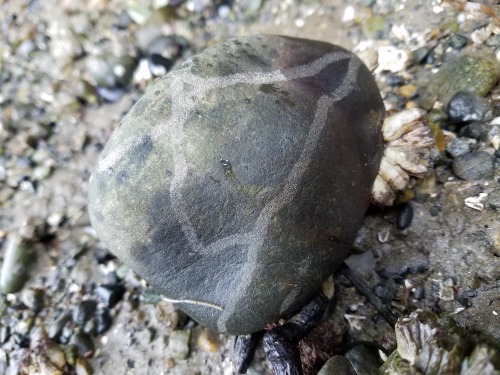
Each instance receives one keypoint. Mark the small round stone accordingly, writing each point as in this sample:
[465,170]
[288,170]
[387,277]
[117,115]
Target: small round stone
[364,359]
[208,341]
[111,71]
[84,344]
[103,321]
[375,27]
[337,365]
[178,343]
[420,54]
[385,291]
[408,91]
[457,41]
[71,354]
[475,130]
[404,216]
[460,146]
[466,106]
[159,65]
[18,258]
[476,165]
[33,299]
[82,367]
[57,326]
[395,80]
[84,311]
[248,162]
[110,294]
[110,94]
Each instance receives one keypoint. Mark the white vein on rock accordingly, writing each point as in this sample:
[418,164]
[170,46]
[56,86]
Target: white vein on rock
[290,189]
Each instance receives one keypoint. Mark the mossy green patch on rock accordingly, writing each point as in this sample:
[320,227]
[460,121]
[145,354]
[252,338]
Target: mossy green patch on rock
[477,73]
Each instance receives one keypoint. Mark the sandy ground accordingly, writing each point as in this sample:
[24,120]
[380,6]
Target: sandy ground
[449,252]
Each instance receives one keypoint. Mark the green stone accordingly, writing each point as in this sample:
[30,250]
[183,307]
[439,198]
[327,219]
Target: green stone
[375,27]
[477,73]
[18,260]
[238,182]
[178,344]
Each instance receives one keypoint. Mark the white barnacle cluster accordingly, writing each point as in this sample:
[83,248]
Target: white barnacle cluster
[408,152]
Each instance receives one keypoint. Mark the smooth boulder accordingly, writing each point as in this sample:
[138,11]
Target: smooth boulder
[236,185]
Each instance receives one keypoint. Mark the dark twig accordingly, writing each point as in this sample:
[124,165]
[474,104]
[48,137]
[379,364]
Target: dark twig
[281,343]
[367,292]
[244,351]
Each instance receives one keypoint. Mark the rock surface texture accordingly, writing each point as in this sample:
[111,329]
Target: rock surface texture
[237,184]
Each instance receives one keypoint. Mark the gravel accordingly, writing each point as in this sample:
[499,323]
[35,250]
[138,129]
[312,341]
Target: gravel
[70,71]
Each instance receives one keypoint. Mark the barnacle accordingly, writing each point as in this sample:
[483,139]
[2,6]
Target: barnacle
[408,152]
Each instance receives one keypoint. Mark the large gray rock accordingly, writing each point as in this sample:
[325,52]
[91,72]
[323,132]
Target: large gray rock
[237,184]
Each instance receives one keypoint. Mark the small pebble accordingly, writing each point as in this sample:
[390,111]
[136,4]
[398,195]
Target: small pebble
[165,46]
[408,91]
[476,165]
[364,359]
[395,80]
[4,334]
[110,294]
[84,344]
[460,146]
[70,352]
[474,130]
[479,36]
[66,333]
[131,303]
[23,326]
[84,311]
[385,291]
[465,297]
[90,326]
[110,95]
[249,7]
[404,216]
[82,367]
[493,136]
[418,264]
[33,299]
[420,54]
[457,41]
[466,106]
[450,25]
[168,315]
[170,363]
[159,65]
[178,344]
[392,59]
[418,292]
[102,255]
[41,172]
[18,258]
[337,365]
[57,326]
[411,104]
[54,353]
[432,58]
[103,321]
[375,27]
[208,341]
[111,71]
[446,293]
